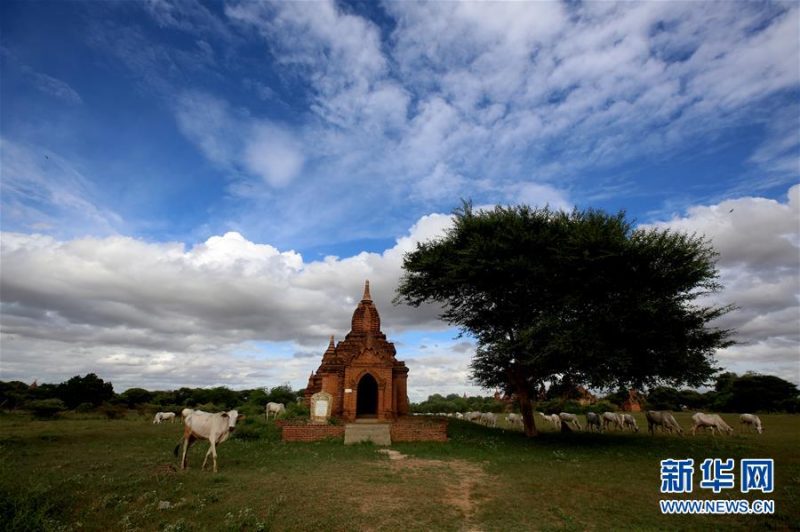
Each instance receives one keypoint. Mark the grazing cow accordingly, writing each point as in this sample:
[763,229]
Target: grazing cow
[630,421]
[752,421]
[216,428]
[274,408]
[163,416]
[663,419]
[570,419]
[489,419]
[515,420]
[472,416]
[712,421]
[593,421]
[610,418]
[459,415]
[552,418]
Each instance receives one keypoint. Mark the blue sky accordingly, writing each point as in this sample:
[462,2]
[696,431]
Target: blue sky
[239,144]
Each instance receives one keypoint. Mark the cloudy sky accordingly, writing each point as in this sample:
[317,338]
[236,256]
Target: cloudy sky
[194,193]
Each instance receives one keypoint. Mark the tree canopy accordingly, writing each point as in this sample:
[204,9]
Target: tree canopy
[581,297]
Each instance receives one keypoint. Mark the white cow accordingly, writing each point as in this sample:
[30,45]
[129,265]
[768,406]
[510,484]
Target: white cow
[274,408]
[515,420]
[489,419]
[216,428]
[163,416]
[593,421]
[663,419]
[472,416]
[711,421]
[610,418]
[630,421]
[752,421]
[570,419]
[552,418]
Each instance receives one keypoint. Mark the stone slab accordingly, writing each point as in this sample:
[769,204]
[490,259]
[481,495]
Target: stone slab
[377,433]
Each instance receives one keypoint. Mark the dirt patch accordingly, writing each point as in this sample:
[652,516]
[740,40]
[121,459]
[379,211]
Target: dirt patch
[461,480]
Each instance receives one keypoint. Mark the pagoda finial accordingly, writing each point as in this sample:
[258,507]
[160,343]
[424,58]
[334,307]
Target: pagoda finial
[330,345]
[366,296]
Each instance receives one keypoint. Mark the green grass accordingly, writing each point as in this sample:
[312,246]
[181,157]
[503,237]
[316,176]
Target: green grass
[87,473]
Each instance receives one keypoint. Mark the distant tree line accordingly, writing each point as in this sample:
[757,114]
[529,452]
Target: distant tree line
[91,393]
[438,404]
[750,392]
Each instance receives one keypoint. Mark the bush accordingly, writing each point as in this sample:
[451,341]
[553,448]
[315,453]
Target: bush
[602,406]
[84,408]
[250,429]
[46,408]
[251,410]
[113,411]
[297,411]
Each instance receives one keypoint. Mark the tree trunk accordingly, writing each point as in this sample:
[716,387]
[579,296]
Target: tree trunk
[527,411]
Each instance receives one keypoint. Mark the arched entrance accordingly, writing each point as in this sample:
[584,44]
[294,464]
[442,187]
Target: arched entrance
[367,397]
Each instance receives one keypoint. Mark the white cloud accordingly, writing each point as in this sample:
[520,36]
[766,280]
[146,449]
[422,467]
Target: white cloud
[273,154]
[208,122]
[162,315]
[147,313]
[237,142]
[758,241]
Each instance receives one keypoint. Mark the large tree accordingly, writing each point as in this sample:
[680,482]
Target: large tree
[580,297]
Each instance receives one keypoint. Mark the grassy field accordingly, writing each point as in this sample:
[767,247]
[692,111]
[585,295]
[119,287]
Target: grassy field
[84,473]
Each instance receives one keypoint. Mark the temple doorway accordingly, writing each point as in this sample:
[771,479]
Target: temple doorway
[367,397]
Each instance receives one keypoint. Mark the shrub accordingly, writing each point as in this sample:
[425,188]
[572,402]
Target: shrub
[84,408]
[46,408]
[113,411]
[602,406]
[250,429]
[297,411]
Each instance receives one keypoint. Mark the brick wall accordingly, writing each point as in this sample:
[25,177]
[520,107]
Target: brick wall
[311,432]
[405,429]
[408,429]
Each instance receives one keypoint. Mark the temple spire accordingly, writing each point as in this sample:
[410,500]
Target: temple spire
[366,296]
[330,345]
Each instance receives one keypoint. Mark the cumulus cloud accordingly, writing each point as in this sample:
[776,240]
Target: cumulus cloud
[758,241]
[124,307]
[235,312]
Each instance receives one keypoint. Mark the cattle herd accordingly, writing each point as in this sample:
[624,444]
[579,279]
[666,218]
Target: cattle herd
[656,419]
[217,427]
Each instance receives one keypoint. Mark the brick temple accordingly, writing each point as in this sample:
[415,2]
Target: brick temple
[361,372]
